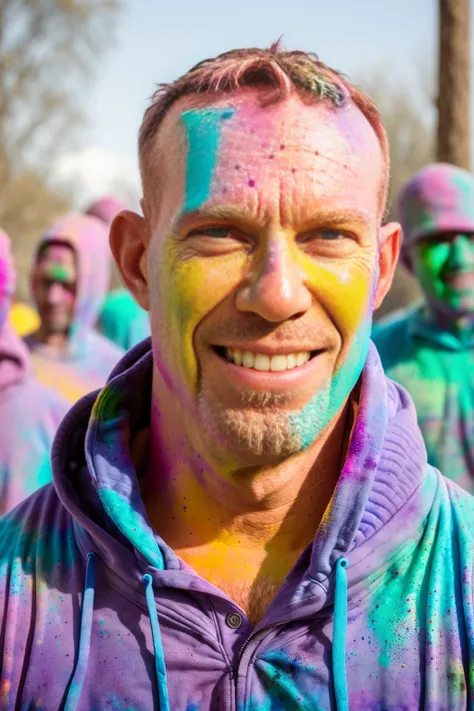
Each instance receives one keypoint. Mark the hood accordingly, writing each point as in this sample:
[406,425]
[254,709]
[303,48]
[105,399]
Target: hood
[14,356]
[7,269]
[15,363]
[88,237]
[439,198]
[105,209]
[101,490]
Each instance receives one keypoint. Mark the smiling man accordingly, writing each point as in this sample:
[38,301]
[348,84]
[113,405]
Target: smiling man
[244,517]
[429,348]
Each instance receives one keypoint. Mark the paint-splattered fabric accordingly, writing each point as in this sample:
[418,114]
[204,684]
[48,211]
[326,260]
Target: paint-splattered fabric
[122,320]
[84,364]
[437,369]
[76,642]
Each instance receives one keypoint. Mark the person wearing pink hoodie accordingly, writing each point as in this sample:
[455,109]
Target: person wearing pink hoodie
[121,319]
[29,412]
[70,279]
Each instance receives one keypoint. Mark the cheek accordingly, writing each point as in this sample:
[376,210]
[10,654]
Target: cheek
[345,289]
[189,291]
[433,261]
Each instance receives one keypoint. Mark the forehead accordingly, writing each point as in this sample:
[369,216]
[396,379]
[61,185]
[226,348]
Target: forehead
[58,253]
[236,150]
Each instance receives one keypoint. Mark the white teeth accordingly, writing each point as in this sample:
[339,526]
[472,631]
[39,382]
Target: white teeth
[264,362]
[261,362]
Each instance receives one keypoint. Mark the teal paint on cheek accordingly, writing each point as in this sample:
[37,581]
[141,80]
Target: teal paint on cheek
[203,131]
[309,422]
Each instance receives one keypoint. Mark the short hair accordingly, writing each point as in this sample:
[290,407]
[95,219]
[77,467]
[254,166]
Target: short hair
[274,69]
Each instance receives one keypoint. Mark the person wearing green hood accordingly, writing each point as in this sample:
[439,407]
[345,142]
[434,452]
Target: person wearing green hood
[429,348]
[121,319]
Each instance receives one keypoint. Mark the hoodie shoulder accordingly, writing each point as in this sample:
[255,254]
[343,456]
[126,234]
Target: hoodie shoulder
[36,542]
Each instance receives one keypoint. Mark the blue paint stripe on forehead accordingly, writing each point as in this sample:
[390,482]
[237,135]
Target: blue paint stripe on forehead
[203,130]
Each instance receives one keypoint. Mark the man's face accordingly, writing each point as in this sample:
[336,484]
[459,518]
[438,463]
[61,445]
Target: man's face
[262,268]
[54,287]
[444,266]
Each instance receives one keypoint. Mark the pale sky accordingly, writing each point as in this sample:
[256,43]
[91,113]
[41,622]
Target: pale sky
[158,40]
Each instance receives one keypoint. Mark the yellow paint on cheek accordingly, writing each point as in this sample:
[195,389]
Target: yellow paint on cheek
[191,289]
[342,286]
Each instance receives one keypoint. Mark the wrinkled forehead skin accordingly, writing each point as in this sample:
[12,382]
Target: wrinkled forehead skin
[106,209]
[7,269]
[88,237]
[440,198]
[334,149]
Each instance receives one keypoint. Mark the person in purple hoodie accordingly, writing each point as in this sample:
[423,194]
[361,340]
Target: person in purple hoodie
[69,280]
[244,517]
[29,412]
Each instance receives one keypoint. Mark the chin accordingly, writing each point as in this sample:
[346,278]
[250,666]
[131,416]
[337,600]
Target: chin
[261,433]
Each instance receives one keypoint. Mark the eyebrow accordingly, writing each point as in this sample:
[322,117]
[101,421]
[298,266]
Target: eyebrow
[335,217]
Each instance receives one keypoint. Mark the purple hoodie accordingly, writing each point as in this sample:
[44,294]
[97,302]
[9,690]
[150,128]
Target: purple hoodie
[29,412]
[98,613]
[89,357]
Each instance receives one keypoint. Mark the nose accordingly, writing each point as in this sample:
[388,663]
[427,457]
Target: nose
[461,256]
[55,294]
[276,288]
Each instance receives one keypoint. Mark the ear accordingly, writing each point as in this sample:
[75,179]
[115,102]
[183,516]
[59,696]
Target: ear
[389,249]
[128,242]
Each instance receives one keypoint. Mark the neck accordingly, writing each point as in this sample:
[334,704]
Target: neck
[267,513]
[461,325]
[53,339]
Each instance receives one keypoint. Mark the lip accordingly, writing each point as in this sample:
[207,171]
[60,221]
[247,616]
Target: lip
[267,350]
[277,381]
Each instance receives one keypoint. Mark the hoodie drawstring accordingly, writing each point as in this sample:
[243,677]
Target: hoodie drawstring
[339,637]
[79,673]
[157,645]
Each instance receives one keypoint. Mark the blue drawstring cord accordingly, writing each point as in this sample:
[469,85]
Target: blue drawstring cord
[339,637]
[157,644]
[79,673]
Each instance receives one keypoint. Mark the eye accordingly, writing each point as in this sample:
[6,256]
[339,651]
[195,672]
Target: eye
[331,235]
[217,232]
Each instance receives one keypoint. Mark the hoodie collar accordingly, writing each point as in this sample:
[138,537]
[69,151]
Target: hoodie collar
[377,504]
[15,363]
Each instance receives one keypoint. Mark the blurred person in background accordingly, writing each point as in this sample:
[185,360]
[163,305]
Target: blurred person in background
[69,282]
[244,517]
[29,412]
[121,318]
[429,348]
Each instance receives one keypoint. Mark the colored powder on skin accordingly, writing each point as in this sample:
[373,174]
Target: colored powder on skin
[59,272]
[435,258]
[324,405]
[203,130]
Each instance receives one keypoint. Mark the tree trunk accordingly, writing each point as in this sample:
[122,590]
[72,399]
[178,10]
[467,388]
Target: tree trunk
[454,144]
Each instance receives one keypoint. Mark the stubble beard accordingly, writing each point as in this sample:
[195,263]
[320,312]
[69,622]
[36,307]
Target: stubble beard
[258,430]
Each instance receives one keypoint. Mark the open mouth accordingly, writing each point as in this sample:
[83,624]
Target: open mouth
[263,361]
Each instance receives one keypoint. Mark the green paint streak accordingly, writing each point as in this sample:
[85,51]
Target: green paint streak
[203,131]
[435,258]
[58,272]
[132,525]
[308,423]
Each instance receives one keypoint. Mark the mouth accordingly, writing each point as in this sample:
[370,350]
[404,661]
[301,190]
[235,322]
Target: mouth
[265,362]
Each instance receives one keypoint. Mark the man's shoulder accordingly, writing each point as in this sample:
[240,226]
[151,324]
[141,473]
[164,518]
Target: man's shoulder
[105,347]
[38,403]
[36,534]
[391,335]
